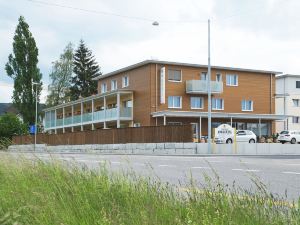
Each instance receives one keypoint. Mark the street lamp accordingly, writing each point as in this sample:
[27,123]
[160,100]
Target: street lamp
[35,125]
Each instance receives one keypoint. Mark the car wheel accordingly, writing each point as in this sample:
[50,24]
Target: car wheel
[229,141]
[252,141]
[293,141]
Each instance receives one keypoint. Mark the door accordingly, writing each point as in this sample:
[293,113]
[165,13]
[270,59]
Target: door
[241,136]
[195,130]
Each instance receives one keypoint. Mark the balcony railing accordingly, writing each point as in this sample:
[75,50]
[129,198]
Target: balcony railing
[201,87]
[111,114]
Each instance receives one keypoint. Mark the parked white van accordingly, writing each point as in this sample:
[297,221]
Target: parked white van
[292,136]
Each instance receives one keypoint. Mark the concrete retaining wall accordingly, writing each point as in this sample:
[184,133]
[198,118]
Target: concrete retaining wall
[169,149]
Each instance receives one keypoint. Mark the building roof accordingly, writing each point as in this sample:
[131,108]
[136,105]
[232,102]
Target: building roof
[146,62]
[287,75]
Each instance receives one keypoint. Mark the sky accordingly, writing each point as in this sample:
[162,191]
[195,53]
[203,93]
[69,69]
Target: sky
[254,34]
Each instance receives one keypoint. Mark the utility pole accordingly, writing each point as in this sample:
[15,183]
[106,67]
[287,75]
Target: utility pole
[209,92]
[35,125]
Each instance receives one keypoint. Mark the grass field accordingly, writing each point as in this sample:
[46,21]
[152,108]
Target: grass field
[51,193]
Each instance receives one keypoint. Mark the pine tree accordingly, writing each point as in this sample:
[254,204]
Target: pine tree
[85,69]
[22,67]
[62,69]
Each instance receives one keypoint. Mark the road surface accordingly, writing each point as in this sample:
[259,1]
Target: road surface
[281,174]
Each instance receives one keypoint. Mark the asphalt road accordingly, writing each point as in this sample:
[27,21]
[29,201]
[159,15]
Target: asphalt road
[280,174]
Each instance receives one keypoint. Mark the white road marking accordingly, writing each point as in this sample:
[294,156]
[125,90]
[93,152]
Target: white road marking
[166,166]
[212,161]
[200,167]
[139,164]
[115,162]
[246,170]
[289,172]
[292,164]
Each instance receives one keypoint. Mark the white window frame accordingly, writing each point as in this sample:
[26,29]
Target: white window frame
[223,103]
[237,80]
[175,81]
[174,107]
[103,90]
[220,74]
[202,101]
[297,82]
[111,87]
[123,81]
[206,76]
[247,110]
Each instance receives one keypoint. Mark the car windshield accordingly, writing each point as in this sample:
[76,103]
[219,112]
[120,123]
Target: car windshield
[284,132]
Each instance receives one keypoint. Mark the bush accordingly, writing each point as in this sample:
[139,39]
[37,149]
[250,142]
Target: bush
[11,125]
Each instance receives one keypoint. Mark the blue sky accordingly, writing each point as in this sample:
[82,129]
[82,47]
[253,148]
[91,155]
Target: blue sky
[258,34]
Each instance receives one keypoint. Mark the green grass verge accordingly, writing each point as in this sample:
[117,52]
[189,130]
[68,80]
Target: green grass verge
[50,193]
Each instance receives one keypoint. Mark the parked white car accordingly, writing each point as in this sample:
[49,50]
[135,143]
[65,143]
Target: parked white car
[292,136]
[241,136]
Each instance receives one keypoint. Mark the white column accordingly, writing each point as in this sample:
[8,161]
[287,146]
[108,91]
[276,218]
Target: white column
[231,121]
[55,131]
[104,104]
[72,118]
[93,127]
[118,110]
[200,128]
[165,120]
[63,119]
[259,127]
[81,111]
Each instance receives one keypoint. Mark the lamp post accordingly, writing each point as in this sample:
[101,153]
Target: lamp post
[155,23]
[35,125]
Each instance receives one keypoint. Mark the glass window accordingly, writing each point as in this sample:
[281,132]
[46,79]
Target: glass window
[296,119]
[174,123]
[217,104]
[231,80]
[247,105]
[203,76]
[125,81]
[103,88]
[113,85]
[174,101]
[297,84]
[196,103]
[127,104]
[296,102]
[219,77]
[174,75]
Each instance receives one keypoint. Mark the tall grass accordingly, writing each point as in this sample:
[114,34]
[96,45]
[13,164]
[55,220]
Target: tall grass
[52,193]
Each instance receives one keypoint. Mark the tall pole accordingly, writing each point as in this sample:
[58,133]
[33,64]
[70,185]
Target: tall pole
[35,130]
[209,92]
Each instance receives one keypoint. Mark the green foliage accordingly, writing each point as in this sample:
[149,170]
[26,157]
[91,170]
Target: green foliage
[22,68]
[59,89]
[11,125]
[85,69]
[51,193]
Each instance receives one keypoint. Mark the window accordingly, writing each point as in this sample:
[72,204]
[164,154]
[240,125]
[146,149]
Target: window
[232,80]
[247,105]
[240,133]
[174,123]
[174,101]
[197,103]
[296,119]
[127,104]
[219,77]
[297,84]
[174,75]
[113,85]
[203,76]
[296,102]
[125,81]
[103,88]
[217,104]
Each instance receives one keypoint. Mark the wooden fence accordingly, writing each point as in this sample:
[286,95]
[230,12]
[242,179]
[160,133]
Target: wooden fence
[151,134]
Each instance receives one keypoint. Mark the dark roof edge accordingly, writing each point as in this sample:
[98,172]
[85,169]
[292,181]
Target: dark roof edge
[180,64]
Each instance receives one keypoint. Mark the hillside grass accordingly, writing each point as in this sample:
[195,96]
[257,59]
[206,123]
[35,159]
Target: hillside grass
[52,193]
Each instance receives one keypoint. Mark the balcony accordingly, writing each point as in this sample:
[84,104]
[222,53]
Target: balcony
[201,87]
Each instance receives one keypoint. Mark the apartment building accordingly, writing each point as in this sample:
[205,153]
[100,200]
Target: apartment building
[154,92]
[288,101]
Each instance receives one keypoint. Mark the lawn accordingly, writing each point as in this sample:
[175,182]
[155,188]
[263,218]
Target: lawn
[53,193]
